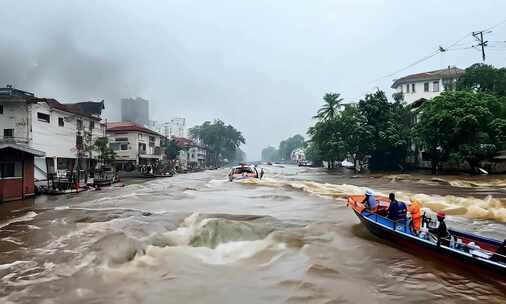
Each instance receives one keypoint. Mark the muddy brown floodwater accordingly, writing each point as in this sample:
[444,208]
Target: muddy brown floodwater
[198,238]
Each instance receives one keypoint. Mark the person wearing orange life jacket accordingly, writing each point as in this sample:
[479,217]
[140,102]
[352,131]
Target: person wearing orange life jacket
[414,210]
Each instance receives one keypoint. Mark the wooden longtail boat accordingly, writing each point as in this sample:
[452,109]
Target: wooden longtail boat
[470,251]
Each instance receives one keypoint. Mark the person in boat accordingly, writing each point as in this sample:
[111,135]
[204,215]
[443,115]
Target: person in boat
[414,210]
[441,231]
[369,201]
[500,253]
[396,210]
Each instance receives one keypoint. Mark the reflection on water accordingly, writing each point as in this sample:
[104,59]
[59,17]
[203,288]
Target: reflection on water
[198,238]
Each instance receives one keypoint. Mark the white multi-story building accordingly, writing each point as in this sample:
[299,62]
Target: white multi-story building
[176,127]
[298,155]
[133,143]
[426,85]
[63,131]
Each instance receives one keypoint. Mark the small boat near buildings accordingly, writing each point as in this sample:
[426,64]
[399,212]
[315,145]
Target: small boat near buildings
[469,251]
[244,171]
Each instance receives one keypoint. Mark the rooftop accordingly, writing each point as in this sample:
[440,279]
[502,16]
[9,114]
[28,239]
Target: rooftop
[436,74]
[129,126]
[88,109]
[23,148]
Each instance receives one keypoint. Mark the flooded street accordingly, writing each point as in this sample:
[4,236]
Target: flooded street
[197,238]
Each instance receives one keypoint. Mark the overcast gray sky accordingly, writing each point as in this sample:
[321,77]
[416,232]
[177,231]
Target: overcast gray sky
[260,65]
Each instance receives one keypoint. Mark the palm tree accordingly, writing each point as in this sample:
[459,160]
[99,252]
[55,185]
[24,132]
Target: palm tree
[330,108]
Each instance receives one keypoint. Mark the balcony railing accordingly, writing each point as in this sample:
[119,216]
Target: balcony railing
[12,139]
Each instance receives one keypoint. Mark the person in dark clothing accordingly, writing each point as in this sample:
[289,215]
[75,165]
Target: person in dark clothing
[500,253]
[441,231]
[396,210]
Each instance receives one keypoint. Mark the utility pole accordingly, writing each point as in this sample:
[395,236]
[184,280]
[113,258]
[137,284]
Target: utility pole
[479,37]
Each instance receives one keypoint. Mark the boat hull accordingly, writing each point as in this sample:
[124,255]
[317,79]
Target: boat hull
[424,248]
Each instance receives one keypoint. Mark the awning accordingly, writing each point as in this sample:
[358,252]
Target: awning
[23,148]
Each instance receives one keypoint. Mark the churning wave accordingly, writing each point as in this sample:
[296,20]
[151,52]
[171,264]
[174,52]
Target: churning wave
[488,208]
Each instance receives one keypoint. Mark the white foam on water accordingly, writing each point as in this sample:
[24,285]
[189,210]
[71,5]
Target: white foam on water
[225,253]
[12,240]
[25,218]
[9,265]
[488,208]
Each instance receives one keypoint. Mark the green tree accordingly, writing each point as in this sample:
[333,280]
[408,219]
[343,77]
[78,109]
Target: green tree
[390,124]
[270,154]
[330,108]
[221,140]
[288,145]
[171,149]
[105,153]
[326,138]
[460,125]
[313,154]
[357,136]
[483,78]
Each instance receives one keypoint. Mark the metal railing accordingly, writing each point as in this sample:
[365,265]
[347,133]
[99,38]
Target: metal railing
[13,139]
[447,240]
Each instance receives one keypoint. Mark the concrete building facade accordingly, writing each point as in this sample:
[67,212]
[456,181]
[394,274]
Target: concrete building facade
[426,85]
[134,144]
[61,131]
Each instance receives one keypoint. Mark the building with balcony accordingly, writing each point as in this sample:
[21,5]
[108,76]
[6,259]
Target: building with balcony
[424,86]
[134,144]
[176,127]
[62,131]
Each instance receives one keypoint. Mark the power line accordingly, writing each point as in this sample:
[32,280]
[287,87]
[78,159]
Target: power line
[452,47]
[494,26]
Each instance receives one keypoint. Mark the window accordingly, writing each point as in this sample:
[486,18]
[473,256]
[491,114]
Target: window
[8,132]
[8,170]
[426,87]
[92,125]
[61,122]
[413,87]
[79,124]
[142,148]
[11,169]
[79,142]
[435,86]
[151,138]
[43,117]
[140,136]
[407,88]
[124,147]
[1,109]
[115,146]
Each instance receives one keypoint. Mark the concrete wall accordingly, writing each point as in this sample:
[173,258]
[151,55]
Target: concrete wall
[15,116]
[134,138]
[60,141]
[419,90]
[132,152]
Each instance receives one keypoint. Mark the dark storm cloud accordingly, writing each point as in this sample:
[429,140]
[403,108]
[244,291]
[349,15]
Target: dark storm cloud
[62,63]
[259,65]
